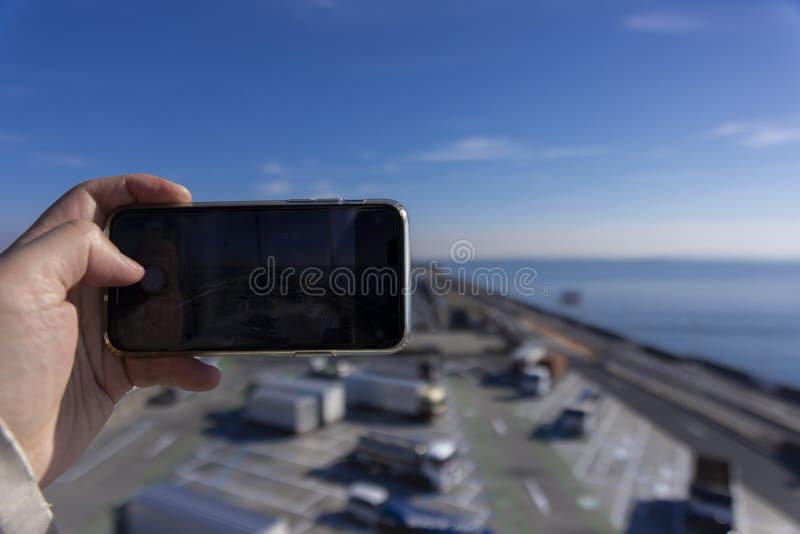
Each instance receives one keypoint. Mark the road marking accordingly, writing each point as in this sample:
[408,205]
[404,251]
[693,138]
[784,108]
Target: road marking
[538,497]
[696,429]
[597,441]
[94,458]
[499,426]
[260,497]
[555,397]
[164,441]
[622,499]
[288,479]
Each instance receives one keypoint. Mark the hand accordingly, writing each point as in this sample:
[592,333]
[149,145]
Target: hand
[58,381]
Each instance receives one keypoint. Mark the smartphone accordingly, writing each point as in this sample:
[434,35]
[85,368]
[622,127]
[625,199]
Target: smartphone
[285,277]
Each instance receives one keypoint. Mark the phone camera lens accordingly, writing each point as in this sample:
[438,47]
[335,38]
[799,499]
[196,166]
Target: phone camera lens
[154,279]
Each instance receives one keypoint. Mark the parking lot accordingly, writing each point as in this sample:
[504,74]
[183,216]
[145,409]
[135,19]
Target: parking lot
[305,478]
[626,468]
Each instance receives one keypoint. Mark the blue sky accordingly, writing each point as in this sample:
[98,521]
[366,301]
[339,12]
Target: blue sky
[539,128]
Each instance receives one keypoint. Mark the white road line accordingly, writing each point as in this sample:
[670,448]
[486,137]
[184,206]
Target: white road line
[538,496]
[683,468]
[301,527]
[289,480]
[260,497]
[742,514]
[597,441]
[284,457]
[94,458]
[696,429]
[499,426]
[556,397]
[164,441]
[622,499]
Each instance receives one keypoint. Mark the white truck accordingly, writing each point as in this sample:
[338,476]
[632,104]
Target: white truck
[535,381]
[166,508]
[294,412]
[395,394]
[329,394]
[526,355]
[437,462]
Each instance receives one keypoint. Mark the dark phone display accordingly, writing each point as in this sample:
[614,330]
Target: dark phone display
[260,278]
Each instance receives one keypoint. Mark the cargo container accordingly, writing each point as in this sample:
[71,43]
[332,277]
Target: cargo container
[437,462]
[394,394]
[294,412]
[710,507]
[166,508]
[556,363]
[329,394]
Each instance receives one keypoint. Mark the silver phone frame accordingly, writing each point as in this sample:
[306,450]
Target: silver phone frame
[405,290]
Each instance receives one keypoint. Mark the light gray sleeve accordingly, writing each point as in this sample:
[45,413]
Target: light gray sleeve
[23,508]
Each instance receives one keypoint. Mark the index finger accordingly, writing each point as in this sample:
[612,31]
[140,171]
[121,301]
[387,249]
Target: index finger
[95,199]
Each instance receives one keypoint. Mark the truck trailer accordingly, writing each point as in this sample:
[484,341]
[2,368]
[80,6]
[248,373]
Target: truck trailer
[394,394]
[437,462]
[294,412]
[329,394]
[170,509]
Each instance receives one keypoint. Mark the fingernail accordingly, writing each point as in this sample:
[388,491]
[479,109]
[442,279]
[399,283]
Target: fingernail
[133,264]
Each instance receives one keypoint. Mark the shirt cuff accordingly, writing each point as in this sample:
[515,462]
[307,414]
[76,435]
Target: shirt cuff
[23,508]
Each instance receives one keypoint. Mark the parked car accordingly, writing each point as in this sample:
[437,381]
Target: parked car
[365,502]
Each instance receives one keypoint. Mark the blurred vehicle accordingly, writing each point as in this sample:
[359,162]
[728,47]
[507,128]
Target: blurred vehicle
[329,395]
[579,419]
[710,508]
[556,364]
[286,410]
[526,355]
[365,502]
[400,516]
[535,370]
[438,462]
[534,381]
[329,367]
[176,510]
[394,394]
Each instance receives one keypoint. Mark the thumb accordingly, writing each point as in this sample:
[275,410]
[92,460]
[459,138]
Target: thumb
[71,253]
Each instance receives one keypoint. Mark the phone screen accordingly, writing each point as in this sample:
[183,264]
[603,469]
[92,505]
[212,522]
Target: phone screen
[260,278]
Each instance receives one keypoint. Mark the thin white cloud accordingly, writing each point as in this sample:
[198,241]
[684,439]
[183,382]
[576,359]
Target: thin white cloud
[10,137]
[663,23]
[568,152]
[756,134]
[73,161]
[275,187]
[471,149]
[273,168]
[498,148]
